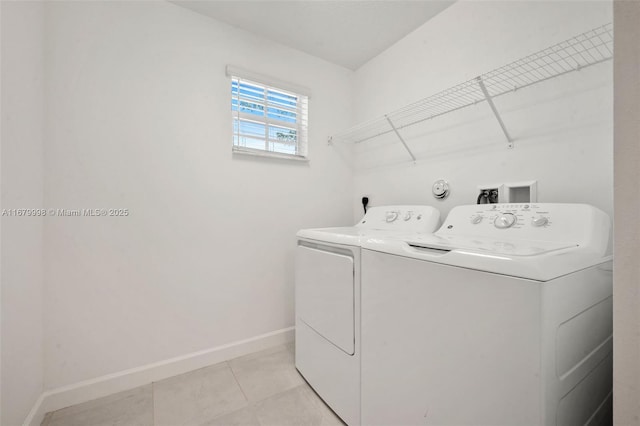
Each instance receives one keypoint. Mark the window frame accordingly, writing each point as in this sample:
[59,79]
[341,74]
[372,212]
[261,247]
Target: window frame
[270,85]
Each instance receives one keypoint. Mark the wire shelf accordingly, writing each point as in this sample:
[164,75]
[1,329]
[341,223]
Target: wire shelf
[586,49]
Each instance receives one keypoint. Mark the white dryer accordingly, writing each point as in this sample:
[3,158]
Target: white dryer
[502,317]
[327,298]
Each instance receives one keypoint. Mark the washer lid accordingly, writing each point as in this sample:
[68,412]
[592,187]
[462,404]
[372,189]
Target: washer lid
[540,226]
[506,247]
[542,261]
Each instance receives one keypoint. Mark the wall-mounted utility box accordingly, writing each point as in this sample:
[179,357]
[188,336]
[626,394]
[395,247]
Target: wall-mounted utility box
[495,192]
[521,192]
[515,192]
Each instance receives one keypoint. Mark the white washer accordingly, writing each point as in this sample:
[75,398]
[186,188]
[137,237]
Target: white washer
[328,301]
[502,317]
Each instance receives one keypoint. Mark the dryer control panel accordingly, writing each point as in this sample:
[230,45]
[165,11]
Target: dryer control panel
[401,218]
[581,224]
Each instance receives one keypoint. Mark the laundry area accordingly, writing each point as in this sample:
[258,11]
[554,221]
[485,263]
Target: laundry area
[307,212]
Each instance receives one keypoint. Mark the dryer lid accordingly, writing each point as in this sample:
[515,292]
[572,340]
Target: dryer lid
[380,221]
[348,235]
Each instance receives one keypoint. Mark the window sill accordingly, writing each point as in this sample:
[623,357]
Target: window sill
[268,154]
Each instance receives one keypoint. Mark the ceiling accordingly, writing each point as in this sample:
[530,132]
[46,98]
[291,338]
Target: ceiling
[346,32]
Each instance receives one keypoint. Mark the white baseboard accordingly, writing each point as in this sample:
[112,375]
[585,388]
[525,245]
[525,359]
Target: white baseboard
[88,390]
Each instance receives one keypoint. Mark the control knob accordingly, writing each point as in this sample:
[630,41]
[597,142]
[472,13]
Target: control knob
[476,219]
[407,216]
[540,221]
[391,216]
[505,220]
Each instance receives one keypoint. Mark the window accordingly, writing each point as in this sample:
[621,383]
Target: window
[267,117]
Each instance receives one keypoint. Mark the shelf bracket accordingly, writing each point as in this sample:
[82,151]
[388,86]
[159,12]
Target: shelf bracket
[495,111]
[413,157]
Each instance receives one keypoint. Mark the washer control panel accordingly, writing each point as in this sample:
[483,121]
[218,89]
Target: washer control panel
[528,221]
[504,216]
[403,218]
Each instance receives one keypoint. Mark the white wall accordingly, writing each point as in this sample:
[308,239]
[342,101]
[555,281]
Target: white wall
[626,290]
[562,128]
[138,117]
[21,366]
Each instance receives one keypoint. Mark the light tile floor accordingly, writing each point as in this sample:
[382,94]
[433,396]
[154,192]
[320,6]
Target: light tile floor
[258,389]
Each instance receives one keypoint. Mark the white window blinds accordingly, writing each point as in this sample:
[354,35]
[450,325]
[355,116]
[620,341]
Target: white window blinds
[268,119]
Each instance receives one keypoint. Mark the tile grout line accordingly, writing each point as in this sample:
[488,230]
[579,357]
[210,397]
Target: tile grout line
[284,346]
[237,382]
[250,405]
[153,403]
[253,403]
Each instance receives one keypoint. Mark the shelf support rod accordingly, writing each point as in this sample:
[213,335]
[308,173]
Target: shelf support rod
[413,157]
[495,110]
